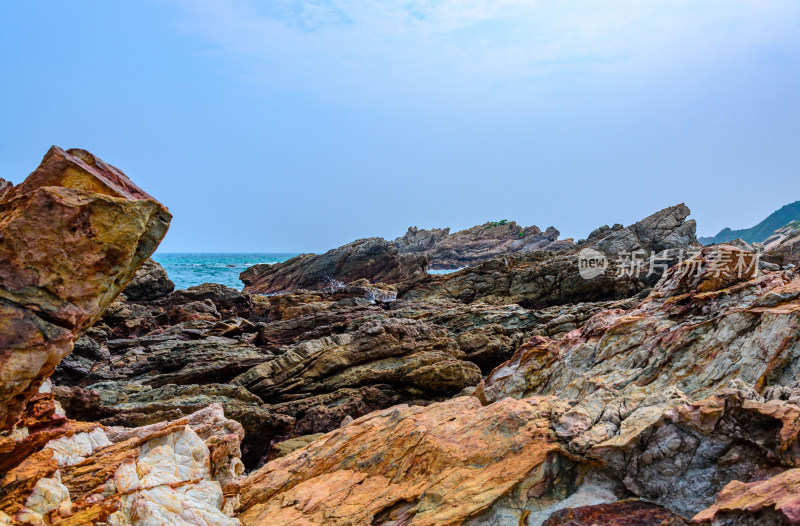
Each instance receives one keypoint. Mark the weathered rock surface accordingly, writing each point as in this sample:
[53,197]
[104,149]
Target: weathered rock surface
[443,464]
[373,259]
[172,473]
[150,282]
[411,355]
[479,243]
[667,229]
[71,236]
[703,326]
[636,255]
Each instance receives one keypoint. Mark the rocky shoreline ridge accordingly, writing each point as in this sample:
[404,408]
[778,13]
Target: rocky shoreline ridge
[353,387]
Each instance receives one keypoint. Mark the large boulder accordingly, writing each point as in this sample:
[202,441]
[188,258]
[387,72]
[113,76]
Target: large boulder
[373,259]
[71,237]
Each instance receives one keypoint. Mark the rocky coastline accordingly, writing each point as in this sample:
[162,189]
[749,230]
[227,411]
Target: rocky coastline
[353,387]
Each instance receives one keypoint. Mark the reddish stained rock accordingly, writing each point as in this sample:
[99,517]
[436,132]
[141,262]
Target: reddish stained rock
[697,331]
[772,501]
[71,236]
[438,465]
[621,513]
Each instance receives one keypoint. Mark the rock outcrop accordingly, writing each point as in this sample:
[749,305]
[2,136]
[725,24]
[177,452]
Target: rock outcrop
[175,472]
[519,391]
[685,408]
[149,283]
[373,259]
[707,323]
[71,236]
[667,229]
[636,257]
[477,244]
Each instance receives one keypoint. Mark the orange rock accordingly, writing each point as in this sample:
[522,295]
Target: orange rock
[777,498]
[71,236]
[436,465]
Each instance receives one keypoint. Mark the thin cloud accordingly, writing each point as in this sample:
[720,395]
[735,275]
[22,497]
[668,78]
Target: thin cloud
[469,49]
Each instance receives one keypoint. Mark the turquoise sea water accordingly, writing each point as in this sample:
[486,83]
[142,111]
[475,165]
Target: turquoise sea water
[187,270]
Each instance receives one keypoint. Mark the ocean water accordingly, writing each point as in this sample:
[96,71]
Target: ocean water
[187,270]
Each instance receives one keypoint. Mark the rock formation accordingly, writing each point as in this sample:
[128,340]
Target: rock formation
[373,259]
[637,255]
[479,243]
[71,236]
[687,402]
[519,391]
[150,282]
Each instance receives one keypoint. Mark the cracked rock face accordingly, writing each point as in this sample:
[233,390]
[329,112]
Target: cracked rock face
[172,473]
[697,332]
[373,259]
[441,464]
[71,236]
[540,279]
[479,243]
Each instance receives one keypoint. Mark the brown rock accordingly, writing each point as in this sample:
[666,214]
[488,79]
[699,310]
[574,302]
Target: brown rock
[697,331]
[71,236]
[373,259]
[438,465]
[772,501]
[479,243]
[406,353]
[622,513]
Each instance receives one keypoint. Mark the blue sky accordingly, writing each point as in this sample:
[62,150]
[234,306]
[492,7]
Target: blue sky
[302,125]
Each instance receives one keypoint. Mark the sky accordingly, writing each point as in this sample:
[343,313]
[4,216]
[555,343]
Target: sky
[301,125]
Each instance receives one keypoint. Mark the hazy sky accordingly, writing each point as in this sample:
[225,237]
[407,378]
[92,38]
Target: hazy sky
[301,125]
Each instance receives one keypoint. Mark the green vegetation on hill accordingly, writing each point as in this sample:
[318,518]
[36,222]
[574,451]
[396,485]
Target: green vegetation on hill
[757,234]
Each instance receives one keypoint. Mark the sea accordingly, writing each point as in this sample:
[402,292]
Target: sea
[187,270]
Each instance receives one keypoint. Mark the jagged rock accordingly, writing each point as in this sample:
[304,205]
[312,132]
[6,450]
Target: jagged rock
[131,405]
[442,464]
[150,282]
[373,259]
[171,358]
[71,236]
[171,473]
[785,251]
[667,229]
[477,244]
[703,326]
[775,501]
[534,280]
[541,279]
[621,513]
[415,355]
[230,303]
[5,186]
[326,412]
